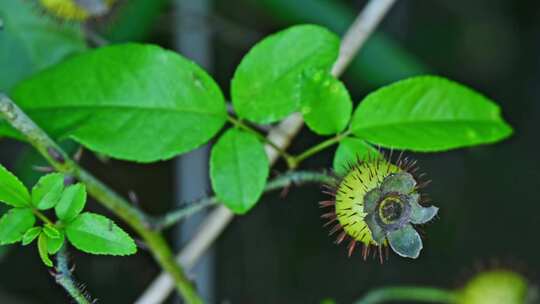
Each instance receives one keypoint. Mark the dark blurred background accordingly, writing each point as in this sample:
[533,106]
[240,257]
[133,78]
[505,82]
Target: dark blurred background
[279,253]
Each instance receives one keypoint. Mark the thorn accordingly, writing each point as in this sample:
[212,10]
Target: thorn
[399,160]
[329,193]
[285,191]
[324,204]
[424,184]
[56,155]
[275,173]
[327,187]
[69,180]
[352,245]
[78,155]
[365,250]
[330,222]
[133,198]
[43,169]
[334,229]
[328,215]
[141,245]
[391,155]
[341,237]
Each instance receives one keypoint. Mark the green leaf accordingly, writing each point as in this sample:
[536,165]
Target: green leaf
[381,61]
[238,170]
[31,41]
[71,203]
[12,190]
[349,151]
[30,235]
[43,250]
[14,224]
[134,102]
[326,104]
[48,190]
[426,114]
[54,244]
[96,234]
[51,231]
[266,84]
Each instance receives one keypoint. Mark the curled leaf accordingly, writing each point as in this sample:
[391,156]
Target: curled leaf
[43,250]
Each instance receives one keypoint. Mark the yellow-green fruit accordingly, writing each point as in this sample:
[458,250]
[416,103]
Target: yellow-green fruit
[376,204]
[351,193]
[495,287]
[76,10]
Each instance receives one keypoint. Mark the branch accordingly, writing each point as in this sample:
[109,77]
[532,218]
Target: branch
[64,277]
[417,294]
[359,31]
[283,181]
[282,136]
[174,217]
[296,160]
[107,197]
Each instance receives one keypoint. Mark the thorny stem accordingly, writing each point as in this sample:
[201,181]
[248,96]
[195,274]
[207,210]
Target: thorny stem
[173,217]
[412,293]
[103,194]
[296,160]
[282,181]
[282,135]
[240,124]
[64,277]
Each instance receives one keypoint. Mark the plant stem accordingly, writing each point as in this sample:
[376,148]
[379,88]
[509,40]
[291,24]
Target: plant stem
[296,160]
[282,181]
[172,218]
[42,217]
[64,278]
[298,178]
[359,32]
[159,289]
[286,156]
[281,135]
[107,197]
[418,294]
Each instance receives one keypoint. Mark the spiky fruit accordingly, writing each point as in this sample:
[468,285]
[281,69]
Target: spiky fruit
[498,287]
[376,204]
[78,10]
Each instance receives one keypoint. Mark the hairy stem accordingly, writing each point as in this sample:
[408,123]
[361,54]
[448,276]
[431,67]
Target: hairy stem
[416,294]
[64,278]
[103,194]
[280,182]
[172,218]
[282,135]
